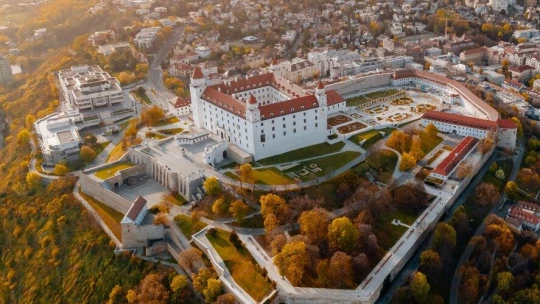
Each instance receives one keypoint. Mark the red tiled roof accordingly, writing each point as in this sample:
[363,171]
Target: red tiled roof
[521,68]
[528,206]
[288,107]
[461,120]
[224,101]
[320,85]
[506,124]
[456,156]
[243,84]
[525,216]
[181,102]
[136,208]
[197,73]
[474,51]
[252,99]
[332,98]
[487,109]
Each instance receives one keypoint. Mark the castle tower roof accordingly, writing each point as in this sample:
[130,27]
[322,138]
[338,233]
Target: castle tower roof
[197,73]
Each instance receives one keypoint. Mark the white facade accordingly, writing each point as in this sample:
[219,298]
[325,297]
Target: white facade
[145,38]
[59,139]
[266,117]
[87,87]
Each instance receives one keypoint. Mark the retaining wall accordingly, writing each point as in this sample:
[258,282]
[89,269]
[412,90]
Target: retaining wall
[362,83]
[93,188]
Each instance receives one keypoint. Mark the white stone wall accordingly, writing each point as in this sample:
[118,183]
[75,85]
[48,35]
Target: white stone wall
[507,138]
[361,83]
[94,189]
[457,129]
[135,236]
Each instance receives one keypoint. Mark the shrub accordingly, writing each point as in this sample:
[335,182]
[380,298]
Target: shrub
[212,232]
[235,240]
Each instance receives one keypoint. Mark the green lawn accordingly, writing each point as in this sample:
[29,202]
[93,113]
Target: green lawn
[267,176]
[142,98]
[307,152]
[166,121]
[185,223]
[109,216]
[171,131]
[124,124]
[98,148]
[387,233]
[327,164]
[371,137]
[255,221]
[230,165]
[241,265]
[429,143]
[358,100]
[111,170]
[380,163]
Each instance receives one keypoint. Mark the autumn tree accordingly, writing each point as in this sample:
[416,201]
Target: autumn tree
[314,224]
[407,162]
[340,270]
[342,235]
[431,265]
[60,170]
[420,287]
[117,295]
[487,143]
[246,174]
[212,186]
[292,261]
[220,206]
[150,116]
[416,148]
[444,238]
[34,180]
[410,197]
[432,131]
[200,279]
[239,210]
[511,189]
[153,290]
[277,243]
[179,282]
[23,138]
[274,204]
[486,194]
[214,288]
[469,284]
[464,170]
[87,154]
[505,283]
[226,299]
[519,126]
[191,259]
[399,141]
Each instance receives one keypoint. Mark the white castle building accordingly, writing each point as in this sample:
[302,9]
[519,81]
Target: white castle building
[263,115]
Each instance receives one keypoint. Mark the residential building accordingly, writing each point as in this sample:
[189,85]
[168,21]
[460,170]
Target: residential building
[5,70]
[146,37]
[88,87]
[180,106]
[521,73]
[477,56]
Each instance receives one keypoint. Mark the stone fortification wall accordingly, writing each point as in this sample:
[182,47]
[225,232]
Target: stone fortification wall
[94,188]
[361,83]
[135,236]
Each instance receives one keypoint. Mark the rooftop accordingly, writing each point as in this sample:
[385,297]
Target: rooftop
[456,156]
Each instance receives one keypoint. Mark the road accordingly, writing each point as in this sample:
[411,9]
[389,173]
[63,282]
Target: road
[497,210]
[155,73]
[414,261]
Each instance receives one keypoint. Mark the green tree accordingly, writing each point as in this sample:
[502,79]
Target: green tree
[444,235]
[431,264]
[87,154]
[420,287]
[343,235]
[212,186]
[505,283]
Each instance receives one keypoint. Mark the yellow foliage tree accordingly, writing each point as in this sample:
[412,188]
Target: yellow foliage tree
[34,180]
[60,170]
[292,261]
[407,162]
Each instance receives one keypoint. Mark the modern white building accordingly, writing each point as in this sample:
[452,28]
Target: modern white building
[88,87]
[262,115]
[59,139]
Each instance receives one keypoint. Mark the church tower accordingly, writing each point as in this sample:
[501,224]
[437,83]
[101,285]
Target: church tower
[320,94]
